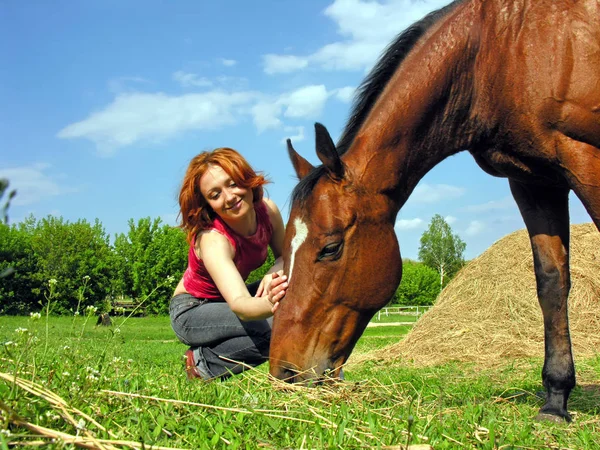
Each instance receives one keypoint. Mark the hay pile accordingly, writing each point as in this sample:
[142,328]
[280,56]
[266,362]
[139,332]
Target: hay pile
[490,310]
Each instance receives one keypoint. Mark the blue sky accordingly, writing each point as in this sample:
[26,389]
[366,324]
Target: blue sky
[103,104]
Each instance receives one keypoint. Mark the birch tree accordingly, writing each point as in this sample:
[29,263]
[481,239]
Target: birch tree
[441,249]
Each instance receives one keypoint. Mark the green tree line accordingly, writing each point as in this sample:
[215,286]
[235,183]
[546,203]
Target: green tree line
[145,264]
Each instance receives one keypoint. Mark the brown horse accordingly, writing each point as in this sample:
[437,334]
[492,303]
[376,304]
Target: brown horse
[517,83]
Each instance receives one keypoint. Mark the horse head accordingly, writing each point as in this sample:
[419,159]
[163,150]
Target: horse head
[343,264]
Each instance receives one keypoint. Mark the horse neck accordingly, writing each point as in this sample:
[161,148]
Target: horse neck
[422,115]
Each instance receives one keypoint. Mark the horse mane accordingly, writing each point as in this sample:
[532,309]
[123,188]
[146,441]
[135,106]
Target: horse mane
[369,90]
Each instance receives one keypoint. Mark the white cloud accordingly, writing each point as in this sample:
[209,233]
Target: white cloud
[33,184]
[475,227]
[153,117]
[232,83]
[306,102]
[366,27]
[298,137]
[186,79]
[228,62]
[494,205]
[409,224]
[345,94]
[347,55]
[427,193]
[450,220]
[303,103]
[266,115]
[283,63]
[131,118]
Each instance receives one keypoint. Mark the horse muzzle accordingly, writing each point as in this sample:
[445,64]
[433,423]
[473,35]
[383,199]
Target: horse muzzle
[317,374]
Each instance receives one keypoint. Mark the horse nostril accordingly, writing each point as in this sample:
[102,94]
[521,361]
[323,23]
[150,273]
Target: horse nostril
[287,375]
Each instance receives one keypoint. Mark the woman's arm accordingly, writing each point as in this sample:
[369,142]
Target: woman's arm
[217,254]
[276,244]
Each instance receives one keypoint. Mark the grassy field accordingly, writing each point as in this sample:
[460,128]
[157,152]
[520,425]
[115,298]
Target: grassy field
[124,387]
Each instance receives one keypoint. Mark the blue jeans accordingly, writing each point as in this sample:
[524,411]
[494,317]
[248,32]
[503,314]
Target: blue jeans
[222,343]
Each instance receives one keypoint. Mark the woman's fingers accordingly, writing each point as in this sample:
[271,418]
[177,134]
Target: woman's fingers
[276,288]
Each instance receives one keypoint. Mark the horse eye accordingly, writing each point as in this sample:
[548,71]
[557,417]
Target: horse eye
[331,251]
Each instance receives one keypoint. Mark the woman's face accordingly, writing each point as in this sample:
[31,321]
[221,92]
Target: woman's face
[223,195]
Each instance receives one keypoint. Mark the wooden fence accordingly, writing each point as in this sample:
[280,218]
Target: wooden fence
[402,311]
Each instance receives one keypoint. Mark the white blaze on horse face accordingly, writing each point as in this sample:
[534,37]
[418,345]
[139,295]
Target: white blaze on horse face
[297,241]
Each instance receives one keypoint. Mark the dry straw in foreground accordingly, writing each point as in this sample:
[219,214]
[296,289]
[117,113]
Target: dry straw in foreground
[490,312]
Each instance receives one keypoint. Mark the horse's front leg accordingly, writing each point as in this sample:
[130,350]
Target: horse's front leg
[546,215]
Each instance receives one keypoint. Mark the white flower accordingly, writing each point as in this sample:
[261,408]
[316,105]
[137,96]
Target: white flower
[10,344]
[117,330]
[91,310]
[21,330]
[87,277]
[51,415]
[81,424]
[66,347]
[66,374]
[52,281]
[76,313]
[35,316]
[5,432]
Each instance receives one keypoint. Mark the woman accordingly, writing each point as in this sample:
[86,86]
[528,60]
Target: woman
[229,227]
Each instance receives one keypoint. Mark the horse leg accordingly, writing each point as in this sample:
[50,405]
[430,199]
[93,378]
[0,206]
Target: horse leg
[546,215]
[581,166]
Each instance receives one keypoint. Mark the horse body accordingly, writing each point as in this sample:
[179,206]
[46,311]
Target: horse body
[518,85]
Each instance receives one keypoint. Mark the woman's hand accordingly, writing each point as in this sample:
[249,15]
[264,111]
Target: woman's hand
[273,286]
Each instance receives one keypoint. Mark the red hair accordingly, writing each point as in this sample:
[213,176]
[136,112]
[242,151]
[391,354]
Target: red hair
[195,212]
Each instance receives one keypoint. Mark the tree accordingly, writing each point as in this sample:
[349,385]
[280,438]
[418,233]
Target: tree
[146,257]
[18,267]
[73,254]
[442,250]
[419,285]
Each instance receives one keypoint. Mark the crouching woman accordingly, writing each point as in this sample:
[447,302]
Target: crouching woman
[229,225]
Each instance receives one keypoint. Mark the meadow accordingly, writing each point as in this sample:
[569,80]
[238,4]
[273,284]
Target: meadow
[65,381]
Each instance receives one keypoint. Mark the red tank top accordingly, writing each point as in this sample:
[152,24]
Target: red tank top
[250,253]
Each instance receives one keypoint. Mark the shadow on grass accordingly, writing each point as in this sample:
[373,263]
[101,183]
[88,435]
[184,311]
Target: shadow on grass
[584,399]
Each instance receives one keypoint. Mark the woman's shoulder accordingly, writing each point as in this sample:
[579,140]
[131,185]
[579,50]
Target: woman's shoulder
[213,239]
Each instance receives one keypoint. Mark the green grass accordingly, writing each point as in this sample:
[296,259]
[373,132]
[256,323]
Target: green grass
[133,385]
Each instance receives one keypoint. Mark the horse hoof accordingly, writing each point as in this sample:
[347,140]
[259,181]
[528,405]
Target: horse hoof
[545,417]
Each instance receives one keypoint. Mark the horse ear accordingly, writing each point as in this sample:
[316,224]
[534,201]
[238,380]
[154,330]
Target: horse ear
[327,152]
[301,166]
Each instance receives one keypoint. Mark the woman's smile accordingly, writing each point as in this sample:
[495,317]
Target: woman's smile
[236,206]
